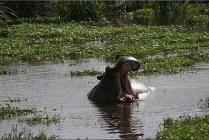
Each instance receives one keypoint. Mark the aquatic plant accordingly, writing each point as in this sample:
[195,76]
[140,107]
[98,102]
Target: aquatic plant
[169,64]
[58,43]
[144,12]
[185,127]
[15,99]
[203,103]
[7,71]
[36,117]
[25,133]
[41,119]
[7,111]
[92,72]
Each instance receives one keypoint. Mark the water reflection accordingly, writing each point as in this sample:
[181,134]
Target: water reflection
[147,20]
[118,119]
[46,86]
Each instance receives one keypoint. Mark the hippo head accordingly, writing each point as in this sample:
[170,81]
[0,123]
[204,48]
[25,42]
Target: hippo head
[115,85]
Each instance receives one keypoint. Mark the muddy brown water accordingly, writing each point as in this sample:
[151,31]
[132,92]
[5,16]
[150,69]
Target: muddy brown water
[45,86]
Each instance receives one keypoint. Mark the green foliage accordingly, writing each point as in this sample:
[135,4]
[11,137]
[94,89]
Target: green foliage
[62,11]
[157,65]
[84,73]
[36,117]
[15,99]
[6,71]
[6,15]
[24,134]
[203,103]
[147,11]
[185,127]
[7,111]
[41,119]
[162,49]
[97,10]
[80,10]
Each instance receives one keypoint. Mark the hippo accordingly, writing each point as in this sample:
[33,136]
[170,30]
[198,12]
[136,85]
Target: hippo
[115,85]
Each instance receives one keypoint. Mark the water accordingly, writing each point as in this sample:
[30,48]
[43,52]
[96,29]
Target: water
[147,19]
[45,86]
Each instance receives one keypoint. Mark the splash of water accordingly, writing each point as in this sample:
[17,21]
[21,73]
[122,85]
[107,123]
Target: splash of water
[141,89]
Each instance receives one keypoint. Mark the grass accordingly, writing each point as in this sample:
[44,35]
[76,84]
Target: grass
[30,42]
[159,65]
[80,73]
[24,134]
[15,99]
[185,127]
[7,71]
[36,117]
[61,42]
[203,103]
[7,111]
[41,119]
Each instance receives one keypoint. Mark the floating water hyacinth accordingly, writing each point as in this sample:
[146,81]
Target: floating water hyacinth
[41,119]
[7,111]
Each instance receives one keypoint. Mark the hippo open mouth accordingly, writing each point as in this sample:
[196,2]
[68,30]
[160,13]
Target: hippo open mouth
[115,85]
[124,66]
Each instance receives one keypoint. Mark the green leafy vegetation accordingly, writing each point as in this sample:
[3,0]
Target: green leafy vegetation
[84,73]
[203,103]
[36,117]
[33,117]
[6,15]
[41,119]
[7,71]
[7,111]
[152,45]
[24,134]
[97,11]
[158,65]
[15,99]
[185,127]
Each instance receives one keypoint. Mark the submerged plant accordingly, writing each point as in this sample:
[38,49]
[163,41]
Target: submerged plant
[178,48]
[41,119]
[15,99]
[7,111]
[203,103]
[26,134]
[7,71]
[85,73]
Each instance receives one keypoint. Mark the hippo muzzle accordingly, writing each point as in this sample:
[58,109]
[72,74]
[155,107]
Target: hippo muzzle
[115,85]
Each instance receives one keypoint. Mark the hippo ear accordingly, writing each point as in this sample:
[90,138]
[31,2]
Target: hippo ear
[101,76]
[107,68]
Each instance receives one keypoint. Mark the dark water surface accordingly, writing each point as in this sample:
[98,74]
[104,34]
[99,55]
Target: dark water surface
[45,86]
